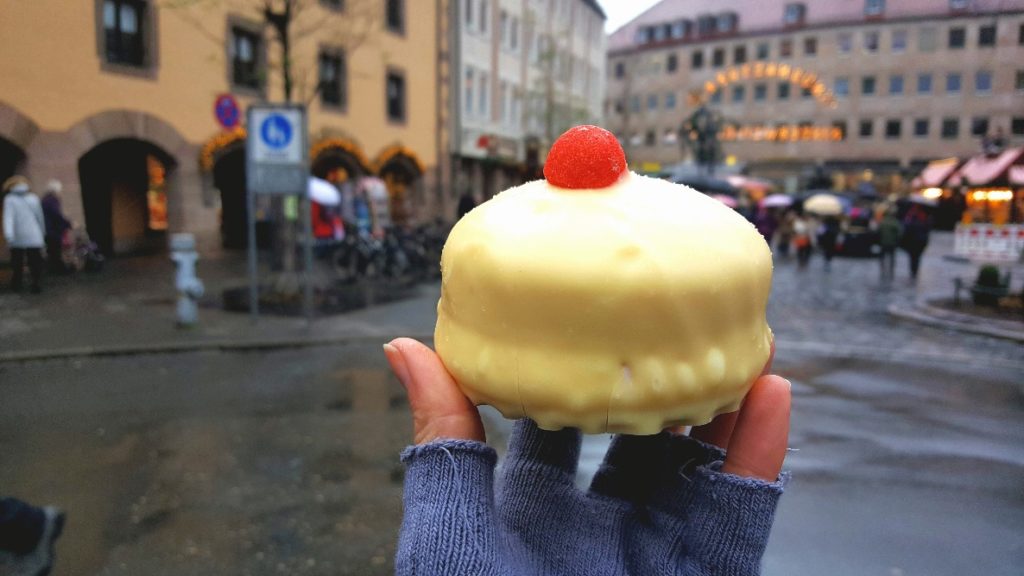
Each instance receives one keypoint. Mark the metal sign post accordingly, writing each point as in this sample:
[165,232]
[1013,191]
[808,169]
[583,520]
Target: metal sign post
[277,163]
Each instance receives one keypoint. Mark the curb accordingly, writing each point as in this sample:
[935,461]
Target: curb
[205,346]
[931,316]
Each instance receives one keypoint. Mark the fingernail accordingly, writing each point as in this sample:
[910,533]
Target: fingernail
[789,385]
[397,362]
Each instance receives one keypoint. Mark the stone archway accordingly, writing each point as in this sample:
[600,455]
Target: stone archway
[402,172]
[16,134]
[140,139]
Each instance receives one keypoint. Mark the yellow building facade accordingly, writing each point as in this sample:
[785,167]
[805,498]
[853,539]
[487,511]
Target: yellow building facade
[115,98]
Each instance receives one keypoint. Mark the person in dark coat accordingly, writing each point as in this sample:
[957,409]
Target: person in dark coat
[466,203]
[828,236]
[917,227]
[56,226]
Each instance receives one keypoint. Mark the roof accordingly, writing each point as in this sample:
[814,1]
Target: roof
[593,5]
[985,170]
[935,173]
[758,16]
[1017,175]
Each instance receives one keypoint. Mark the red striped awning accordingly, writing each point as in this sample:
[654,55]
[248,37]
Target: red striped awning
[935,173]
[981,171]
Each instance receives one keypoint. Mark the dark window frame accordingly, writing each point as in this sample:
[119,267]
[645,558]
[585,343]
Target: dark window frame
[620,70]
[760,92]
[671,63]
[866,129]
[987,35]
[956,38]
[333,5]
[253,29]
[1017,126]
[395,9]
[718,57]
[697,59]
[950,134]
[149,44]
[893,129]
[920,123]
[326,98]
[784,91]
[810,46]
[794,14]
[980,125]
[739,54]
[403,117]
[865,83]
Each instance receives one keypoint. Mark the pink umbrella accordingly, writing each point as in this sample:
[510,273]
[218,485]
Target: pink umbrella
[776,201]
[727,200]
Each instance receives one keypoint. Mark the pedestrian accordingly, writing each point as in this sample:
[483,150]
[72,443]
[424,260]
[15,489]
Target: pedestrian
[828,237]
[56,227]
[766,223]
[466,203]
[802,239]
[24,230]
[784,233]
[27,537]
[889,230]
[661,504]
[914,239]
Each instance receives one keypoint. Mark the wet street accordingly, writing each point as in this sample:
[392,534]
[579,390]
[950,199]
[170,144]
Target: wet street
[907,448]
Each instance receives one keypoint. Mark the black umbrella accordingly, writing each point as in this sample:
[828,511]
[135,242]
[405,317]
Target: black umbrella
[707,184]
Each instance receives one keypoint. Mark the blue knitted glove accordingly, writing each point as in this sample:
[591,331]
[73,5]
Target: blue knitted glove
[657,506]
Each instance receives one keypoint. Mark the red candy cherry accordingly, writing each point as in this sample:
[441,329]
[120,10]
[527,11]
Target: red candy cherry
[585,157]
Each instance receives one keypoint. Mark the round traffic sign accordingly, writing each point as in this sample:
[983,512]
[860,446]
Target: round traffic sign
[276,131]
[225,108]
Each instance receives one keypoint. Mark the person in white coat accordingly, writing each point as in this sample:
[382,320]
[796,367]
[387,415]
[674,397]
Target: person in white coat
[24,230]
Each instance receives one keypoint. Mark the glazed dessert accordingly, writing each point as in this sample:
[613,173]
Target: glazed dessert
[604,300]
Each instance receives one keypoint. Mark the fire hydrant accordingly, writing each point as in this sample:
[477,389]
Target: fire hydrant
[190,288]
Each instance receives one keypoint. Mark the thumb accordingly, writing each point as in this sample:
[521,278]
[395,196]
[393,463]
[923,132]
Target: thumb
[439,408]
[758,443]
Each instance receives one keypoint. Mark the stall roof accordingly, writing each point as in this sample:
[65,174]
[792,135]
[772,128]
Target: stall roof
[1017,175]
[935,173]
[986,170]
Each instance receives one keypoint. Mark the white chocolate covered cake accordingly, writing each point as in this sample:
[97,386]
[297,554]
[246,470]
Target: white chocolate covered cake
[604,300]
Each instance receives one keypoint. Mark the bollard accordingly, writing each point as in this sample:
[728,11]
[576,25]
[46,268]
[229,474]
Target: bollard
[190,288]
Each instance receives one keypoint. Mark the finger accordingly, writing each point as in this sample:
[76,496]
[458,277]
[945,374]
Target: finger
[719,431]
[531,446]
[632,466]
[758,444]
[439,408]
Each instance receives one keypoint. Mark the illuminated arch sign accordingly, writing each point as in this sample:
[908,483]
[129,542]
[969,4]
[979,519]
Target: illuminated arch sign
[769,70]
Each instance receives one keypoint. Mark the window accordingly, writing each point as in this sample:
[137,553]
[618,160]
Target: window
[706,24]
[1020,35]
[806,93]
[957,5]
[794,14]
[896,85]
[470,88]
[783,91]
[760,92]
[649,138]
[670,137]
[620,69]
[899,41]
[874,7]
[1018,82]
[670,100]
[634,104]
[842,87]
[658,34]
[718,57]
[924,83]
[483,16]
[739,54]
[867,85]
[983,82]
[1017,126]
[395,94]
[950,128]
[739,93]
[123,32]
[671,63]
[979,126]
[619,107]
[871,41]
[484,103]
[957,38]
[469,14]
[514,34]
[892,129]
[245,51]
[697,59]
[810,46]
[332,80]
[927,39]
[840,125]
[785,48]
[395,16]
[763,51]
[337,5]
[503,28]
[727,22]
[716,97]
[987,36]
[921,128]
[652,101]
[845,42]
[953,83]
[681,29]
[867,127]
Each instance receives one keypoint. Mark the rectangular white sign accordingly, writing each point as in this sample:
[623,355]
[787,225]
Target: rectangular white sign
[989,242]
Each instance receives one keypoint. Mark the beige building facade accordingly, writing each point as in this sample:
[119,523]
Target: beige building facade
[526,71]
[866,90]
[115,98]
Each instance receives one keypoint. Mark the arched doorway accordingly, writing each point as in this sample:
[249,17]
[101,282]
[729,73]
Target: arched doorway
[401,171]
[124,195]
[12,158]
[229,180]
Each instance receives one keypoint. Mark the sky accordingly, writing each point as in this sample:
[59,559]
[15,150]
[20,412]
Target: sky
[622,11]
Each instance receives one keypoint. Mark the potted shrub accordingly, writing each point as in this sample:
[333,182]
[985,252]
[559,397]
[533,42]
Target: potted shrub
[989,287]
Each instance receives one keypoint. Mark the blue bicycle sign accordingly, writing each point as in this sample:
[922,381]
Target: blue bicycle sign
[276,131]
